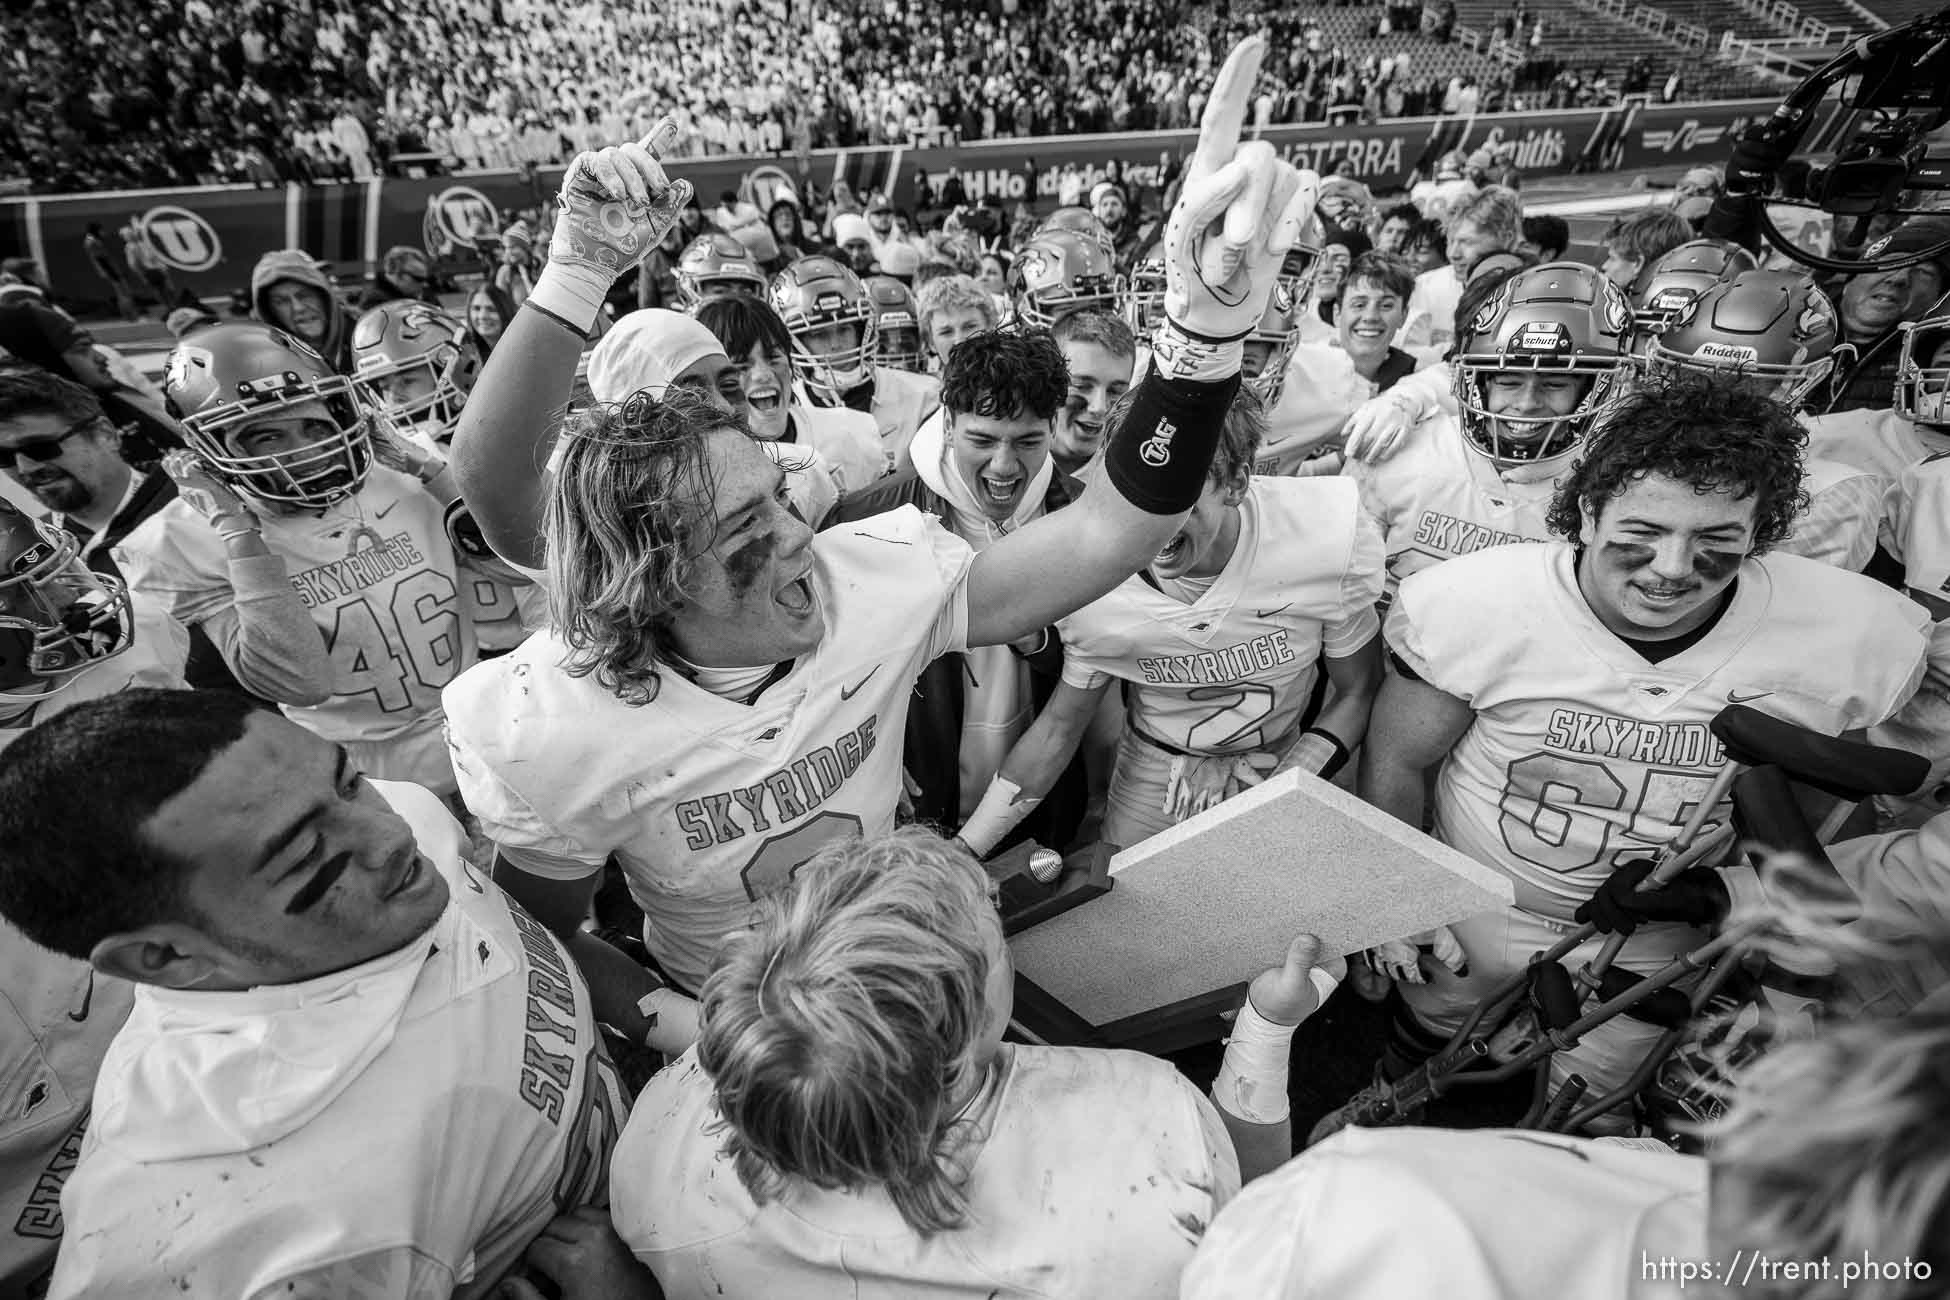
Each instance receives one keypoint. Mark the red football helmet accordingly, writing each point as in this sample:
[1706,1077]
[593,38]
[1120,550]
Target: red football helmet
[716,263]
[1774,327]
[814,296]
[1143,299]
[1562,318]
[224,381]
[1923,372]
[415,362]
[1270,346]
[1679,275]
[1061,272]
[897,323]
[1080,221]
[57,617]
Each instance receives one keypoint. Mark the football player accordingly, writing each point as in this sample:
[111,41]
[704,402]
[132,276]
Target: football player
[1534,369]
[1082,222]
[1060,271]
[852,1109]
[722,692]
[831,318]
[1101,356]
[1324,383]
[1917,423]
[1564,690]
[67,636]
[847,441]
[951,308]
[1678,276]
[713,265]
[334,1017]
[417,364]
[327,581]
[1774,332]
[1217,643]
[897,325]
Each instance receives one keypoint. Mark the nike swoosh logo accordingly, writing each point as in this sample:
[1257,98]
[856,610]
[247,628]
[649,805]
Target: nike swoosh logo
[1268,613]
[847,693]
[1737,697]
[381,514]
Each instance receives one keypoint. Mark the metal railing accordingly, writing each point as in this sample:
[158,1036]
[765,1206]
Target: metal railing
[1654,22]
[1798,25]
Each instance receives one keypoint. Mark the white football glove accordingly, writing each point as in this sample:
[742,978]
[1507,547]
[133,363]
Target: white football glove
[1240,210]
[615,206]
[1376,429]
[1401,959]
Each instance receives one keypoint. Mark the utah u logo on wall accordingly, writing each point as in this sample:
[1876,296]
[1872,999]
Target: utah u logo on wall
[454,217]
[181,238]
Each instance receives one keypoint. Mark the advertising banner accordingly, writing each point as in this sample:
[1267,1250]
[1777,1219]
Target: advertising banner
[211,237]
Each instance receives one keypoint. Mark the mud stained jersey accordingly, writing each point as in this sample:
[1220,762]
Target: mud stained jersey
[708,804]
[375,572]
[1582,754]
[1230,672]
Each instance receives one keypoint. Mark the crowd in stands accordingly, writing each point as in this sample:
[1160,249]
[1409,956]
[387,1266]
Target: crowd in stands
[128,95]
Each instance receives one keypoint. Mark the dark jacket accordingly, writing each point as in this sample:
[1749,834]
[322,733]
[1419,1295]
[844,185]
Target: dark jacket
[933,738]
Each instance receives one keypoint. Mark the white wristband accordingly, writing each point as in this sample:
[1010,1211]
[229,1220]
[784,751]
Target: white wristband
[1001,811]
[1178,356]
[1252,1082]
[572,292]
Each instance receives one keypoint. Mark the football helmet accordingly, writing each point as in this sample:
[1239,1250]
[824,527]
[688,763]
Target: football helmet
[1673,279]
[57,617]
[415,362]
[1080,221]
[716,263]
[1061,272]
[813,295]
[1298,266]
[1772,326]
[897,322]
[1560,318]
[1270,346]
[1143,300]
[1923,372]
[224,379]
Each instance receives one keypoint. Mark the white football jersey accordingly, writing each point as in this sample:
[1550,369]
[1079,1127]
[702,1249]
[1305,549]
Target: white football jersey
[1436,498]
[849,441]
[709,804]
[502,613]
[1321,390]
[378,574]
[1839,525]
[475,1105]
[901,400]
[154,658]
[1879,441]
[1916,530]
[1231,672]
[1582,754]
[1916,524]
[1095,1175]
[1395,1213]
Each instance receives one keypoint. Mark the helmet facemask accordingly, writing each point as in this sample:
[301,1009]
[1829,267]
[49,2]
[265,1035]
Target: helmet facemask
[832,373]
[1923,372]
[1511,439]
[328,468]
[57,618]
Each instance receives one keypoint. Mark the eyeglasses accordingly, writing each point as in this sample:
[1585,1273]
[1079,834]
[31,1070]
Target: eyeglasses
[43,450]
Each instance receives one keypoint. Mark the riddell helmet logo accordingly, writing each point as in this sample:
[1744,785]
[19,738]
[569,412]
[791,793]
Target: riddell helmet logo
[181,238]
[1737,354]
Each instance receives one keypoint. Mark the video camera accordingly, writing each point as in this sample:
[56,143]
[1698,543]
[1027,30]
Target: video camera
[1898,89]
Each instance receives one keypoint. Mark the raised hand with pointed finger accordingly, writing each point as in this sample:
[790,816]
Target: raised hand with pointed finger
[616,204]
[1240,210]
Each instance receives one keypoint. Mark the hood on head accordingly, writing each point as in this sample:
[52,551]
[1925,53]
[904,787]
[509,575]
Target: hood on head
[296,264]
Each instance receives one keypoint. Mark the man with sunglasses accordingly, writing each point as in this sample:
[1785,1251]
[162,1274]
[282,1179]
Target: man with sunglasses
[59,445]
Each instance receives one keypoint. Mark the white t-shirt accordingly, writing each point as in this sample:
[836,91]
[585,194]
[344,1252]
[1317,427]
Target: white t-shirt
[1431,324]
[1879,441]
[1401,1213]
[377,573]
[1844,508]
[706,803]
[1582,754]
[403,1128]
[1231,672]
[1097,1173]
